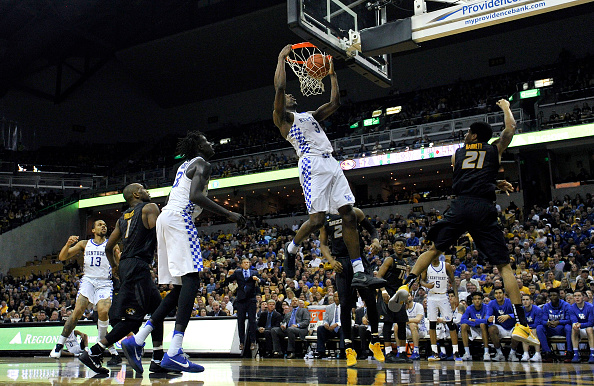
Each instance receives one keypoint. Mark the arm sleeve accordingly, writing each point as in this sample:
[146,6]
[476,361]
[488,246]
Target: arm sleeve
[566,312]
[572,315]
[589,318]
[465,318]
[489,312]
[478,322]
[543,319]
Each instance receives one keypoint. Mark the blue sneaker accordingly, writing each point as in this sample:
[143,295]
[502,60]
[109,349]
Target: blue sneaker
[575,359]
[444,357]
[433,358]
[415,356]
[457,357]
[591,359]
[133,353]
[180,362]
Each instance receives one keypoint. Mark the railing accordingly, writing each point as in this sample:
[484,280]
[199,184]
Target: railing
[45,180]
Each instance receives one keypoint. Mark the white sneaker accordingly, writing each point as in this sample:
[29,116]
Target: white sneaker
[499,358]
[536,358]
[467,357]
[486,357]
[525,357]
[55,354]
[513,357]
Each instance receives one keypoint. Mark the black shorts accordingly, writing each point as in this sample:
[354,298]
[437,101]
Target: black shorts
[138,293]
[477,216]
[346,293]
[390,316]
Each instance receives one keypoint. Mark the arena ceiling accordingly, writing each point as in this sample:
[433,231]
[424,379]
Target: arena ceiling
[176,51]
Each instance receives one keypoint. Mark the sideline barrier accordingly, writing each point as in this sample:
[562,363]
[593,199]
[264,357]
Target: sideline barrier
[209,335]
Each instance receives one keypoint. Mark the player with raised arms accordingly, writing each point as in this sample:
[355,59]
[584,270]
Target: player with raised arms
[325,187]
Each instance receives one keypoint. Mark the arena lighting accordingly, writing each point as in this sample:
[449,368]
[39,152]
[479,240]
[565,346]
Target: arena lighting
[376,113]
[224,141]
[525,139]
[393,110]
[543,82]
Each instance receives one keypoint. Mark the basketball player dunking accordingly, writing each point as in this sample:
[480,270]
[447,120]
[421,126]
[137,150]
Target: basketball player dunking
[475,170]
[325,187]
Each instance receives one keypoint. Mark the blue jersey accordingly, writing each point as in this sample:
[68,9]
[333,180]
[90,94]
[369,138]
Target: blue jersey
[533,316]
[479,316]
[584,316]
[560,313]
[493,308]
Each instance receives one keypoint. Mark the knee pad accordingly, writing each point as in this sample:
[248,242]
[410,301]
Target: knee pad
[433,325]
[402,331]
[452,326]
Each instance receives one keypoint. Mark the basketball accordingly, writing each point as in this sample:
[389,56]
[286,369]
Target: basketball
[317,66]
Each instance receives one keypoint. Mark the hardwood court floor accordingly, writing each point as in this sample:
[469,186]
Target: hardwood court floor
[31,371]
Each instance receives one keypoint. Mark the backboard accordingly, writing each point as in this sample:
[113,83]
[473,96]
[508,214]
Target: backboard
[334,25]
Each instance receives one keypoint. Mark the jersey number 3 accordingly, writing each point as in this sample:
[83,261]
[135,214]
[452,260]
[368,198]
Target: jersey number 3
[471,162]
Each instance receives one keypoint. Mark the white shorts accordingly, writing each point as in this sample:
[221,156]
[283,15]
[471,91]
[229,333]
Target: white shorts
[439,302]
[423,333]
[324,185]
[504,333]
[583,333]
[178,247]
[73,346]
[95,289]
[475,333]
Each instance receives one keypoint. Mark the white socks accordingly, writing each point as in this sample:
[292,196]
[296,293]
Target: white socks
[293,248]
[102,327]
[357,265]
[62,340]
[142,334]
[176,343]
[434,349]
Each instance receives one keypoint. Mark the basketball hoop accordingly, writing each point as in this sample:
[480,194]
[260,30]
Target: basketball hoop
[305,63]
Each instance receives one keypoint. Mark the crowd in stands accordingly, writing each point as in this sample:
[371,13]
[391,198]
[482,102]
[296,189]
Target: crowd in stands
[550,247]
[573,78]
[18,206]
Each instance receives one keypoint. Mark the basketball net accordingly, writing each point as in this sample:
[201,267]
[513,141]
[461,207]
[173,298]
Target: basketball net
[297,61]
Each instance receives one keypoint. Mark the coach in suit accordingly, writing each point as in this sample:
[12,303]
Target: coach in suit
[245,299]
[331,327]
[295,323]
[268,320]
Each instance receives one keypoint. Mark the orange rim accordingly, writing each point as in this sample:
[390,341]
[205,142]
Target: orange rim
[303,45]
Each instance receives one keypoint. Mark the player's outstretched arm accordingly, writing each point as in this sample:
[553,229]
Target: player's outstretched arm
[325,249]
[510,127]
[112,242]
[200,173]
[325,110]
[279,115]
[450,271]
[388,261]
[68,252]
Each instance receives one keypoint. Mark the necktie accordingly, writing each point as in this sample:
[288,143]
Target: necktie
[246,274]
[336,316]
[292,320]
[269,320]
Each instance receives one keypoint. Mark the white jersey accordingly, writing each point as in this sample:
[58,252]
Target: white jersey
[96,263]
[439,276]
[416,309]
[179,198]
[307,137]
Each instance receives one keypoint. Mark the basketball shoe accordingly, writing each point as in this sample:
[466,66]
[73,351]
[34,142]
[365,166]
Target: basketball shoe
[289,263]
[133,353]
[351,357]
[376,349]
[399,298]
[180,362]
[524,334]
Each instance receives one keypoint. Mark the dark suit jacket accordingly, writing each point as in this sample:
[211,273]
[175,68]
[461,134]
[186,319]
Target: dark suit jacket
[220,313]
[359,314]
[275,322]
[246,290]
[302,318]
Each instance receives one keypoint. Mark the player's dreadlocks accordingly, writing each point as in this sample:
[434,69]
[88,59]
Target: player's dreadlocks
[189,147]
